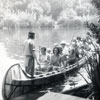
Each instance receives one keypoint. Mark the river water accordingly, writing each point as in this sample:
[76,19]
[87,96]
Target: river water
[11,44]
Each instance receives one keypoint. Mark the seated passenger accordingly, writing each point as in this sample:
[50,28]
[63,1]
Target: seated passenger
[60,50]
[74,40]
[56,45]
[72,56]
[44,59]
[78,39]
[63,57]
[55,62]
[82,51]
[79,42]
[85,44]
[65,47]
[49,52]
[76,49]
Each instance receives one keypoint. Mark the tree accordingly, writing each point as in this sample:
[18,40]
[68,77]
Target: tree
[96,3]
[95,30]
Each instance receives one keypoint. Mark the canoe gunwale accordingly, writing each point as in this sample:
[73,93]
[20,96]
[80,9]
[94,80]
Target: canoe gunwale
[37,81]
[44,76]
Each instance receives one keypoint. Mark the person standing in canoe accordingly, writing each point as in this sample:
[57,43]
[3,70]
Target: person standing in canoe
[30,55]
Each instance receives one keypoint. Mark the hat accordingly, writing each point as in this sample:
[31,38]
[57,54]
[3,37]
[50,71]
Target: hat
[63,42]
[56,44]
[74,38]
[48,49]
[67,44]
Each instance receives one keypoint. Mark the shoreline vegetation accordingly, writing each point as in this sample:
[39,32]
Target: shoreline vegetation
[25,24]
[11,23]
[46,13]
[95,63]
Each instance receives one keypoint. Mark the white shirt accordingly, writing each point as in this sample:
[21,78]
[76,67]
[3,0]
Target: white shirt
[27,49]
[65,50]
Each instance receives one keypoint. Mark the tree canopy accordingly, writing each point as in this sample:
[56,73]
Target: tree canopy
[54,12]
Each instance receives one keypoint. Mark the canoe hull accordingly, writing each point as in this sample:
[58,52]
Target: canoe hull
[13,87]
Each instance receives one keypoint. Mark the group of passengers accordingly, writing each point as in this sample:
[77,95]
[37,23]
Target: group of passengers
[61,55]
[64,54]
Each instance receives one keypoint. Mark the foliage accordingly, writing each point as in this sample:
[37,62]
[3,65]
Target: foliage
[97,3]
[95,29]
[95,62]
[94,74]
[36,12]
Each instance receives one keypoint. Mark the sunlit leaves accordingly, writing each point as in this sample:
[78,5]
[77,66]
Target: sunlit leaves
[37,12]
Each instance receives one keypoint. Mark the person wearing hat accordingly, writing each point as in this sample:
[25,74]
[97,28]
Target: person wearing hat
[65,47]
[30,55]
[56,45]
[49,52]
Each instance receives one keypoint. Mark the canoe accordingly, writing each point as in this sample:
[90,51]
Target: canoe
[17,83]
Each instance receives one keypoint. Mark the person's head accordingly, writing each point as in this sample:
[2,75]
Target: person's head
[60,49]
[88,34]
[89,42]
[56,51]
[74,44]
[84,40]
[79,38]
[56,44]
[43,50]
[31,35]
[63,44]
[67,44]
[74,40]
[72,50]
[92,25]
[48,50]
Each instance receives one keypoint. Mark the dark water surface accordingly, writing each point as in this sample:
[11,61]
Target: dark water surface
[11,46]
